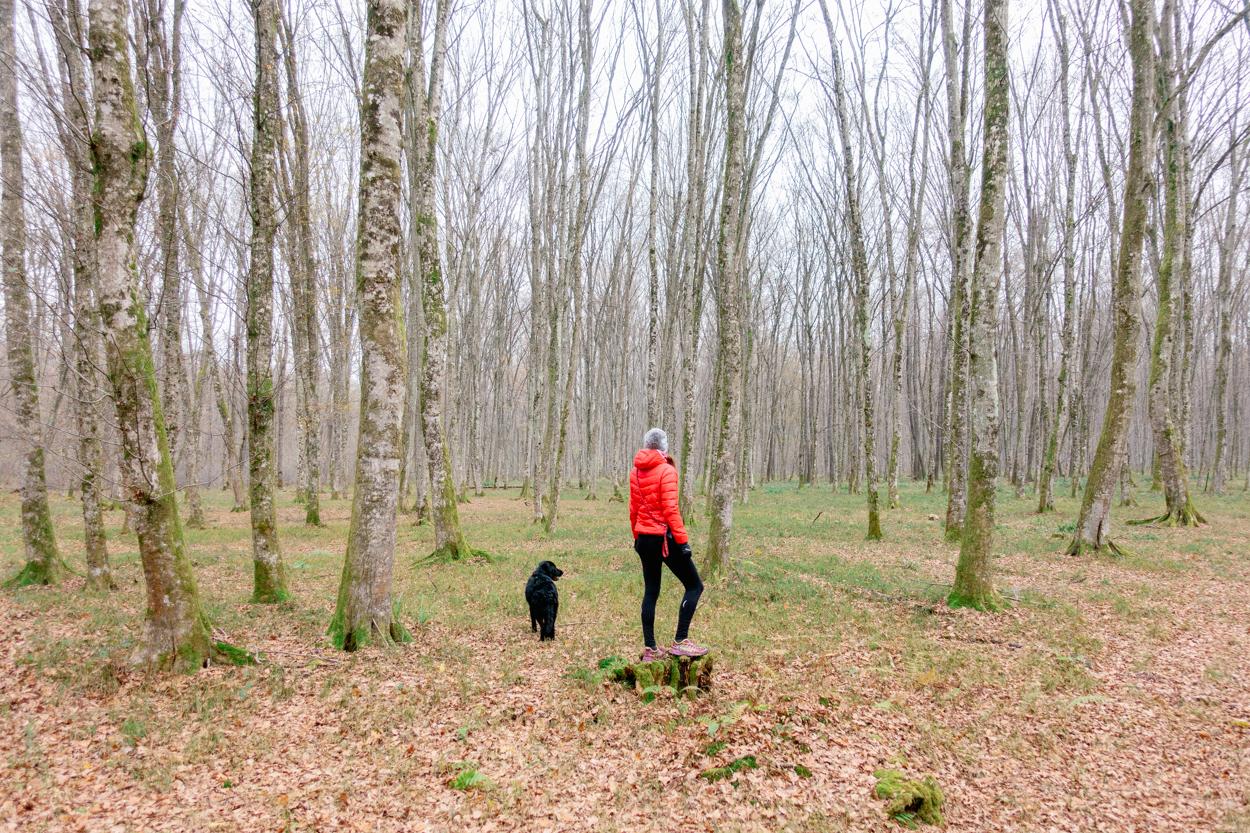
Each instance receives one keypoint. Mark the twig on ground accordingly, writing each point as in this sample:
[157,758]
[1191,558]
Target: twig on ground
[260,653]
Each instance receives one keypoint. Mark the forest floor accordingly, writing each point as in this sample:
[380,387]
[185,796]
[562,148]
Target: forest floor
[1113,695]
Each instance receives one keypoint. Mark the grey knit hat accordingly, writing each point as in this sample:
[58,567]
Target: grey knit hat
[656,438]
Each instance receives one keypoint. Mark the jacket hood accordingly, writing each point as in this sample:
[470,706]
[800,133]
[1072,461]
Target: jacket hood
[649,458]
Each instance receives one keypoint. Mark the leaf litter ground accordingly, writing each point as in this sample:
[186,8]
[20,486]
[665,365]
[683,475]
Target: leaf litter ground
[1114,694]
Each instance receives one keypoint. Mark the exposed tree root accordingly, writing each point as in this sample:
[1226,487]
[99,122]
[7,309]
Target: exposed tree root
[33,573]
[1079,547]
[453,552]
[1189,516]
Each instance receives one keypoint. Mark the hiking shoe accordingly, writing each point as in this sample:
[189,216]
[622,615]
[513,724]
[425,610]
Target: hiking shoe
[686,648]
[653,654]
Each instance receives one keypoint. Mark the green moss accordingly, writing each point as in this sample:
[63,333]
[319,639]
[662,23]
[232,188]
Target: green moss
[910,800]
[234,654]
[728,770]
[35,572]
[986,602]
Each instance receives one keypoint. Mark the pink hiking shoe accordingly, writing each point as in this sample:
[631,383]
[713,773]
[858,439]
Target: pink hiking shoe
[653,654]
[686,648]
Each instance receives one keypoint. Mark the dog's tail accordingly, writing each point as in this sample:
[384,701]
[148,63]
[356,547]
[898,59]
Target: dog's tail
[549,623]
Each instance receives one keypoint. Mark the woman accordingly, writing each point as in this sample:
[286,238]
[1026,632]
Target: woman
[653,513]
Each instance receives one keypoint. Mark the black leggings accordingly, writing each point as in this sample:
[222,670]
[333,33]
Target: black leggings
[649,549]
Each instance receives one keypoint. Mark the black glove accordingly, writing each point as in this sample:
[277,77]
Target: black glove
[684,550]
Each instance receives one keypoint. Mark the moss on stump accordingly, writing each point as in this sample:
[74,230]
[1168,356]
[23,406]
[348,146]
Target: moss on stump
[686,676]
[910,800]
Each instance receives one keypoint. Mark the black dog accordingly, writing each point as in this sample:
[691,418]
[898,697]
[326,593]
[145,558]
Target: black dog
[544,599]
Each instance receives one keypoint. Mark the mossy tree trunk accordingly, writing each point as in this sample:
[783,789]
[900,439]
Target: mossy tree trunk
[269,574]
[1164,375]
[1093,525]
[1045,486]
[364,613]
[957,70]
[70,29]
[859,267]
[974,581]
[303,285]
[176,631]
[693,248]
[1224,302]
[449,540]
[160,68]
[43,561]
[729,298]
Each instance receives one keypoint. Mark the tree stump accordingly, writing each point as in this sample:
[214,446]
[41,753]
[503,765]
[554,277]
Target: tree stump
[686,676]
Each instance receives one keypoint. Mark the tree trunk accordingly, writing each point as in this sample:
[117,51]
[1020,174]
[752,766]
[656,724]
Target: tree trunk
[269,583]
[364,613]
[729,286]
[1045,487]
[161,67]
[1224,293]
[304,288]
[449,541]
[43,561]
[70,29]
[961,262]
[859,267]
[1165,376]
[176,630]
[1093,524]
[974,582]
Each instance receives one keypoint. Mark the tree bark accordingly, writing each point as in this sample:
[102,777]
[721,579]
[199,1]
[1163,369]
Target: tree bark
[364,614]
[1045,487]
[304,286]
[961,262]
[176,630]
[859,268]
[974,582]
[449,541]
[729,300]
[161,67]
[43,561]
[269,574]
[1224,293]
[1165,376]
[1093,524]
[70,30]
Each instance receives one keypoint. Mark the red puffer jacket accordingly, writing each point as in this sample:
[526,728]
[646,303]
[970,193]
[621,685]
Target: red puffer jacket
[653,496]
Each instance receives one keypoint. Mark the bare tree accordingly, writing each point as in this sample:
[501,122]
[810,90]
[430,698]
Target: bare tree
[364,613]
[859,268]
[70,31]
[270,575]
[43,561]
[176,630]
[974,583]
[729,297]
[1093,525]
